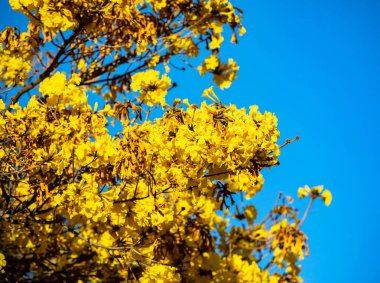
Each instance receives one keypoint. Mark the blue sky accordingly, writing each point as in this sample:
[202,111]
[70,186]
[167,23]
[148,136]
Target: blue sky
[316,64]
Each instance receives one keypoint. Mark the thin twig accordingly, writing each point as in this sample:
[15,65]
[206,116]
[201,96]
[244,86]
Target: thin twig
[306,213]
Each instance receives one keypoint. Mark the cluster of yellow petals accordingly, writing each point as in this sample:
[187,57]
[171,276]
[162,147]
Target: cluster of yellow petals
[60,92]
[154,189]
[223,74]
[316,192]
[126,31]
[16,50]
[64,15]
[153,89]
[156,179]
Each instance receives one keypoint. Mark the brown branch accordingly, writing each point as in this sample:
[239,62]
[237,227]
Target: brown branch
[289,141]
[216,174]
[86,79]
[306,213]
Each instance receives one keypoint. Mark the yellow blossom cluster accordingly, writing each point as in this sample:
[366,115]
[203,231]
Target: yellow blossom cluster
[316,192]
[16,50]
[152,89]
[57,91]
[119,32]
[147,196]
[223,74]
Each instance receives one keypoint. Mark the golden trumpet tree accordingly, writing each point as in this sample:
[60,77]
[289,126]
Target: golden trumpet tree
[154,202]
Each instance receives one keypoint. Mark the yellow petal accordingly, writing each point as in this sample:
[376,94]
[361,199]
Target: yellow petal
[302,193]
[327,197]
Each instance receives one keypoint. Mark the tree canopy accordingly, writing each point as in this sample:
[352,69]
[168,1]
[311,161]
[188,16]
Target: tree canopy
[162,200]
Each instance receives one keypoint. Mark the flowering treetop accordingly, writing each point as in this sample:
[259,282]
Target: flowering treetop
[156,202]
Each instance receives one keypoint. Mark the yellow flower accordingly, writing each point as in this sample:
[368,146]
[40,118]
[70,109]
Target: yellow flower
[326,197]
[82,65]
[59,91]
[211,63]
[152,89]
[18,5]
[216,41]
[242,31]
[210,94]
[302,192]
[2,261]
[57,20]
[223,74]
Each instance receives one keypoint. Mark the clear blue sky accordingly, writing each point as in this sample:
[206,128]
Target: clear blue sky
[316,64]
